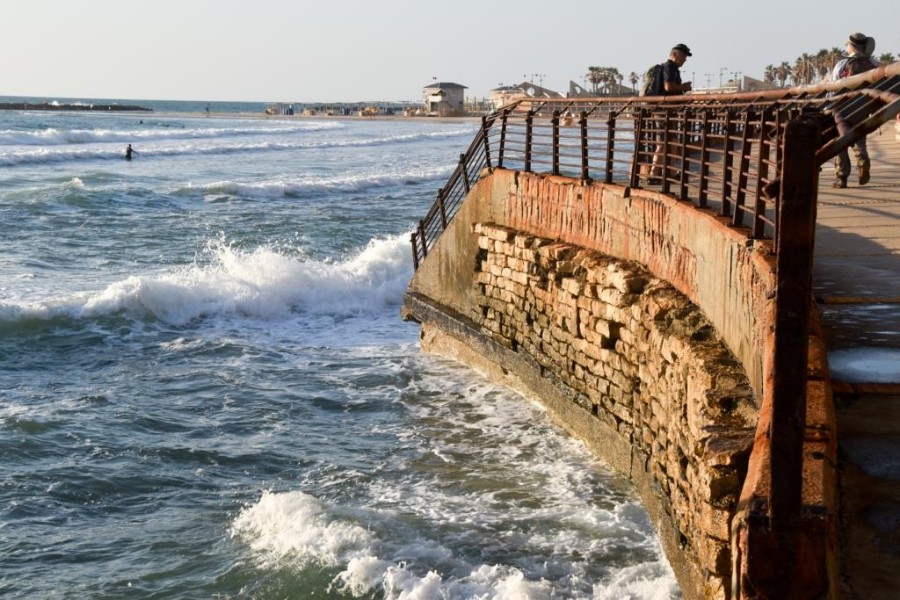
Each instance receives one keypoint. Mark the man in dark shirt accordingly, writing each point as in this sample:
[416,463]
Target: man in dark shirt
[672,85]
[672,75]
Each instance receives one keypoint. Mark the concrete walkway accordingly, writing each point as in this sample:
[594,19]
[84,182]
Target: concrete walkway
[857,284]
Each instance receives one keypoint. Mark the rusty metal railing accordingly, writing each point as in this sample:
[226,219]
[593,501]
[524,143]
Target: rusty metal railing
[719,151]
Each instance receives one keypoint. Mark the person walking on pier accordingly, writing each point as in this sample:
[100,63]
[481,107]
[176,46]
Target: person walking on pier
[859,60]
[671,86]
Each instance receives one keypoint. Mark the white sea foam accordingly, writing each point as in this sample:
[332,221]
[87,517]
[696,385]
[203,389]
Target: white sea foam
[52,136]
[431,526]
[53,146]
[294,528]
[260,283]
[297,186]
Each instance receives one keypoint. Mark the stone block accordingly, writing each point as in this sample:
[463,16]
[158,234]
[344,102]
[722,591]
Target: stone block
[624,280]
[572,286]
[524,241]
[714,555]
[714,484]
[556,251]
[615,297]
[496,232]
[608,329]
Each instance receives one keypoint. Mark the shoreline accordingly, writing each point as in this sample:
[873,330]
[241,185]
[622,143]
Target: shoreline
[263,116]
[143,111]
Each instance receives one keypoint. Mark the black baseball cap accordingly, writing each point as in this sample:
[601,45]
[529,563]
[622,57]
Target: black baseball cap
[683,48]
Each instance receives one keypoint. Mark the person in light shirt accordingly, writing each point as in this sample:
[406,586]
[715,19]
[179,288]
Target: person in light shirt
[859,60]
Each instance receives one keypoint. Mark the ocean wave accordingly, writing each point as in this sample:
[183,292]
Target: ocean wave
[163,131]
[481,498]
[261,283]
[53,154]
[277,189]
[297,528]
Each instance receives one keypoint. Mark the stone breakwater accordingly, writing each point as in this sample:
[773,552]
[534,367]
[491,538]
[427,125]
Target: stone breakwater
[641,358]
[72,107]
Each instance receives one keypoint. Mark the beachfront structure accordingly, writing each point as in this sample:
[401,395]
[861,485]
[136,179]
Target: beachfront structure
[616,89]
[670,322]
[510,93]
[444,99]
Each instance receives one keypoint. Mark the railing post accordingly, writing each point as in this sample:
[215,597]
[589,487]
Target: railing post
[585,173]
[465,174]
[485,128]
[442,208]
[794,259]
[529,127]
[424,240]
[638,145]
[762,172]
[502,149]
[666,133]
[415,251]
[727,162]
[704,160]
[554,156]
[610,145]
[685,140]
[743,166]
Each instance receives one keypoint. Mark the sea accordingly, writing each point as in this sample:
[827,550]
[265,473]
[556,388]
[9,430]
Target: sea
[207,391]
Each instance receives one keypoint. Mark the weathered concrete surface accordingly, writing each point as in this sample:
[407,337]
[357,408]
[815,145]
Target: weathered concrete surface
[715,266]
[857,284]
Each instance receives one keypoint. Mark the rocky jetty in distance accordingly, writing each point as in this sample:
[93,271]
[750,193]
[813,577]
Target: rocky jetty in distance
[78,106]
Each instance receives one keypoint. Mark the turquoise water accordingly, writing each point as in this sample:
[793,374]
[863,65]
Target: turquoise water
[206,389]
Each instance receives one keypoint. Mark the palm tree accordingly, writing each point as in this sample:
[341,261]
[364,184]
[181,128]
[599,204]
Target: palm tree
[769,75]
[604,79]
[633,78]
[782,72]
[886,58]
[613,77]
[803,70]
[595,76]
[823,64]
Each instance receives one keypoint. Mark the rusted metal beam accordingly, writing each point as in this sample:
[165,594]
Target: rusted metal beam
[610,146]
[485,129]
[585,158]
[797,219]
[554,152]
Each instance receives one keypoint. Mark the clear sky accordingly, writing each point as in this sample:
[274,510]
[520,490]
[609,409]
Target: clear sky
[309,50]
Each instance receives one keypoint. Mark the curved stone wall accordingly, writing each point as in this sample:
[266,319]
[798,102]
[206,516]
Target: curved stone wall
[641,322]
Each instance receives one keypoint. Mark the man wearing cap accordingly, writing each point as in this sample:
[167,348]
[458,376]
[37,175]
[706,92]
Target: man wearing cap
[859,60]
[672,86]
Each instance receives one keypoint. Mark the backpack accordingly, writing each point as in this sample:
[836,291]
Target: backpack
[856,65]
[652,84]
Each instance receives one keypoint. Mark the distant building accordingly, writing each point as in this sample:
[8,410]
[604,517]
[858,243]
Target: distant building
[577,91]
[745,84]
[280,108]
[749,84]
[444,99]
[510,93]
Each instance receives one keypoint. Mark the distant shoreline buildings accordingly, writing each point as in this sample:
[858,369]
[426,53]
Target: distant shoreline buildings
[447,99]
